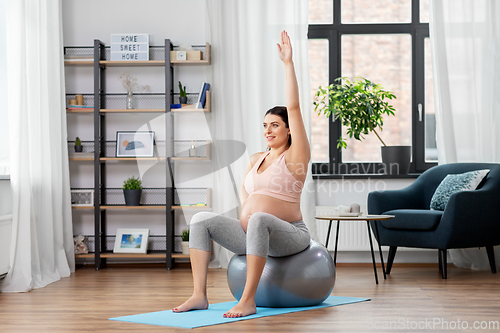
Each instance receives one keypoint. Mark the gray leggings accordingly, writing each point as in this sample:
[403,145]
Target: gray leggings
[266,234]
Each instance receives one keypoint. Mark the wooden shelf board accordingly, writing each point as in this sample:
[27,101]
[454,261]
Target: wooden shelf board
[132,158]
[83,110]
[132,110]
[190,62]
[81,159]
[84,255]
[133,207]
[132,255]
[109,63]
[183,110]
[82,207]
[79,63]
[189,158]
[190,207]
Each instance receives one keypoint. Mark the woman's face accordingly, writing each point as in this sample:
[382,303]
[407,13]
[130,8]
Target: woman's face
[275,131]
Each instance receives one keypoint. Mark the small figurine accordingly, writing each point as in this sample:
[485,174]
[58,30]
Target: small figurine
[80,246]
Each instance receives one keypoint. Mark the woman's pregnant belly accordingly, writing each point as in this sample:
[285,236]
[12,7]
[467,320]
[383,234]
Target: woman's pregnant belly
[288,211]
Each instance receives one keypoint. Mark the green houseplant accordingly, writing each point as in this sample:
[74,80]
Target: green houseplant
[185,241]
[182,94]
[78,145]
[360,105]
[132,190]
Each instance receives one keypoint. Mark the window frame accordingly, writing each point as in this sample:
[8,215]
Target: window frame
[333,33]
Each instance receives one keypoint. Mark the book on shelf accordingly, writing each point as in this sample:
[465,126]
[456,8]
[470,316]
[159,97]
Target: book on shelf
[202,97]
[199,96]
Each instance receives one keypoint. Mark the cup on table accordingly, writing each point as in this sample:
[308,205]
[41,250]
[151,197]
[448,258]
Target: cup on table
[344,210]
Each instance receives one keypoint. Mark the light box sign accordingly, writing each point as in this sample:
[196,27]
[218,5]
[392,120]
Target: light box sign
[129,47]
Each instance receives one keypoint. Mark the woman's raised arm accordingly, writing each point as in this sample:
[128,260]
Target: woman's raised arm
[299,152]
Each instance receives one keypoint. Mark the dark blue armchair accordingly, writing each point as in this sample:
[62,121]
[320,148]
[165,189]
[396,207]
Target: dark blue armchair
[470,219]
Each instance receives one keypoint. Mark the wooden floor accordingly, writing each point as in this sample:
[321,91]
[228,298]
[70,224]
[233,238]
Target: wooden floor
[410,296]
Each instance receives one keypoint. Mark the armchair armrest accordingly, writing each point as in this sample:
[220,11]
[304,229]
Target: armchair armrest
[409,197]
[472,218]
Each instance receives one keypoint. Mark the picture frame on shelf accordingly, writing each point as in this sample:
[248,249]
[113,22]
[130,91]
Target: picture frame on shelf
[135,143]
[82,198]
[131,241]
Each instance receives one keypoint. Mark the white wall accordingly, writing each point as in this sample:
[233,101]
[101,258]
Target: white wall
[183,22]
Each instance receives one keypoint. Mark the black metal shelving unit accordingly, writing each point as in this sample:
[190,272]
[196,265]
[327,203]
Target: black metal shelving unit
[106,198]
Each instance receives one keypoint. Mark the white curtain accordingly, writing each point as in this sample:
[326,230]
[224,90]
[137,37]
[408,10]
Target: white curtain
[465,37]
[247,79]
[42,243]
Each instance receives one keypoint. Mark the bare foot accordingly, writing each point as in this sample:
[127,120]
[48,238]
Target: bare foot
[193,303]
[242,309]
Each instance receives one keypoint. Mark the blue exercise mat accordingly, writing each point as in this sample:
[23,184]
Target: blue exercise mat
[213,316]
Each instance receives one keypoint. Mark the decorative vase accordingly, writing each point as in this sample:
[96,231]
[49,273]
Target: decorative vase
[185,247]
[192,151]
[79,149]
[132,197]
[396,159]
[130,101]
[183,99]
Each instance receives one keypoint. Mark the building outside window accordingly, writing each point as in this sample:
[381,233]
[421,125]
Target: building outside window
[387,42]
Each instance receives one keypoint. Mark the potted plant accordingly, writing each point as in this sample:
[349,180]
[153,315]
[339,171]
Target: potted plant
[182,93]
[360,106]
[132,189]
[78,145]
[185,241]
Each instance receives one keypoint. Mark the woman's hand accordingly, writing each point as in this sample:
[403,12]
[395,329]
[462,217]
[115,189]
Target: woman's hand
[285,48]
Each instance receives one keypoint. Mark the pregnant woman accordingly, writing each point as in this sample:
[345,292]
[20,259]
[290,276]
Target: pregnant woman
[271,221]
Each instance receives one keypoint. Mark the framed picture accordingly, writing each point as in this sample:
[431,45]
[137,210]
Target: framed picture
[131,241]
[135,144]
[82,198]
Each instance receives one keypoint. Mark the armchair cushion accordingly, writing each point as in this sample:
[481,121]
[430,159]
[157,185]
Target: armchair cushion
[413,219]
[454,183]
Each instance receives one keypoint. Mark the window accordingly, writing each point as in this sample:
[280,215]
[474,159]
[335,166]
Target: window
[386,41]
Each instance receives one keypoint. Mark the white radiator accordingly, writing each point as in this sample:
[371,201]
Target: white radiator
[353,235]
[5,238]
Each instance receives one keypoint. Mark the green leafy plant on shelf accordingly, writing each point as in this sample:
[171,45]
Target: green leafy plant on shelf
[360,105]
[182,91]
[78,145]
[185,235]
[132,183]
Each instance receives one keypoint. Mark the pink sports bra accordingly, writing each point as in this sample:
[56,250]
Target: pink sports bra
[276,181]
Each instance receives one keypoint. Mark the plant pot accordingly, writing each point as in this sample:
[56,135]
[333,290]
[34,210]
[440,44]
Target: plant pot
[183,99]
[396,159]
[132,197]
[79,149]
[185,247]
